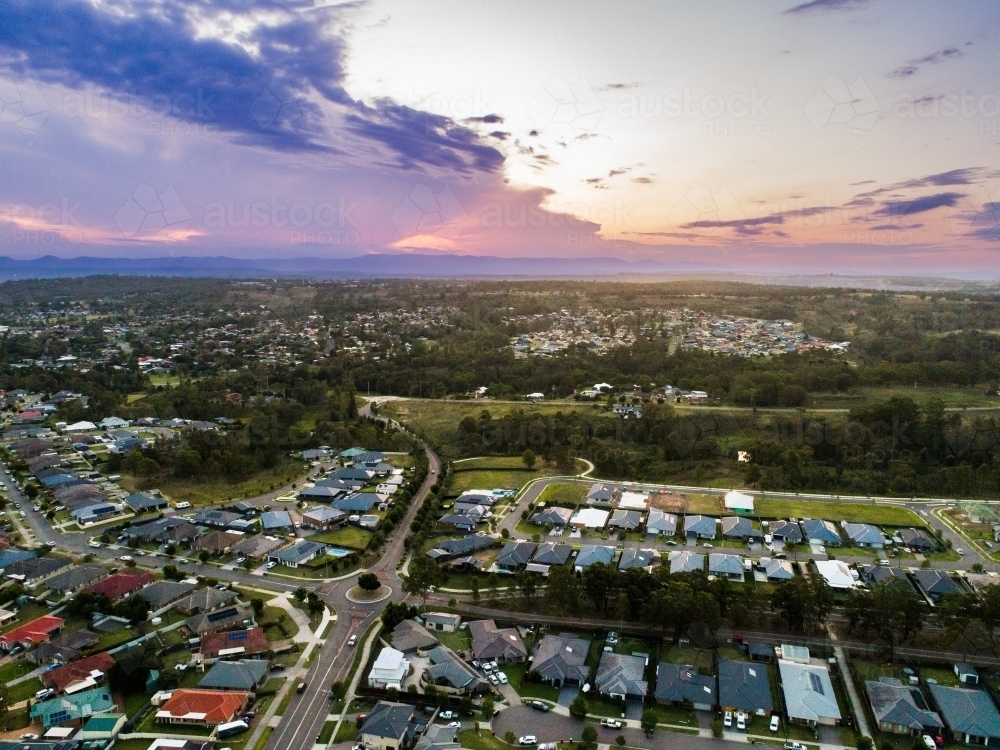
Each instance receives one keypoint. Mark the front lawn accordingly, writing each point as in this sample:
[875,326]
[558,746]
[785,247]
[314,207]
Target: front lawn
[23,690]
[350,537]
[526,689]
[481,740]
[14,669]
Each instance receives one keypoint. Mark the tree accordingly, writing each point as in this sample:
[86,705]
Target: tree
[865,743]
[648,721]
[299,595]
[509,737]
[171,573]
[204,555]
[562,590]
[891,610]
[493,584]
[338,690]
[803,602]
[599,584]
[589,737]
[314,603]
[422,574]
[258,606]
[578,708]
[528,458]
[526,583]
[394,613]
[487,707]
[369,582]
[475,589]
[620,740]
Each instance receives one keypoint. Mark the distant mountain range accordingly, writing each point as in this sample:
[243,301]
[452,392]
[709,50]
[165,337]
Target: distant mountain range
[362,266]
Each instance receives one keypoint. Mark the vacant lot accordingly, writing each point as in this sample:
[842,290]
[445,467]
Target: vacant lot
[501,472]
[218,490]
[882,515]
[564,494]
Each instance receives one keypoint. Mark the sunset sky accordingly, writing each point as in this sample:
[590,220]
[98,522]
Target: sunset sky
[827,136]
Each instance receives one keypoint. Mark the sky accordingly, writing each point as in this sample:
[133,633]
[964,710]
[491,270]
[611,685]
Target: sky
[828,136]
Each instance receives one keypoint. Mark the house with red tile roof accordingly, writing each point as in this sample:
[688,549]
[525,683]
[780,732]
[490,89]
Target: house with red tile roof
[206,708]
[32,633]
[79,675]
[234,643]
[121,585]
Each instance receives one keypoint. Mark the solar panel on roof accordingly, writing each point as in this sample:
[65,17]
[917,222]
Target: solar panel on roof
[817,686]
[238,635]
[222,614]
[57,717]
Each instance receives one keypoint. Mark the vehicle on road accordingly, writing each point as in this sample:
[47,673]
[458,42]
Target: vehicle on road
[301,688]
[184,561]
[126,558]
[612,723]
[455,724]
[539,706]
[353,640]
[794,746]
[528,739]
[960,551]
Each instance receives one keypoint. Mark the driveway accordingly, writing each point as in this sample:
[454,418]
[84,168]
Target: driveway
[567,694]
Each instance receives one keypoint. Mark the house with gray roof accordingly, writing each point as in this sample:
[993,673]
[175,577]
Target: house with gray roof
[502,645]
[637,558]
[362,502]
[160,593]
[560,660]
[323,518]
[785,531]
[917,540]
[739,527]
[438,737]
[627,520]
[818,531]
[555,517]
[875,574]
[220,619]
[936,583]
[34,570]
[141,502]
[257,547]
[622,676]
[299,553]
[205,600]
[245,674]
[552,553]
[808,693]
[901,709]
[745,686]
[460,547]
[218,519]
[452,675]
[77,577]
[602,494]
[686,562]
[275,520]
[661,523]
[592,553]
[684,685]
[409,636]
[723,565]
[863,534]
[701,527]
[514,556]
[321,493]
[389,726]
[970,715]
[776,570]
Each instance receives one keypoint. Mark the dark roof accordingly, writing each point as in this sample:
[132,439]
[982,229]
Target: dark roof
[161,593]
[935,582]
[36,567]
[895,703]
[244,674]
[388,720]
[361,502]
[465,545]
[738,527]
[679,683]
[967,711]
[558,657]
[551,553]
[516,554]
[744,685]
[77,576]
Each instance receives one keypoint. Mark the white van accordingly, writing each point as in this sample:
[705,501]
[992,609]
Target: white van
[182,505]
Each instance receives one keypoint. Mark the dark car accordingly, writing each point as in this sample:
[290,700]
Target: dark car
[538,706]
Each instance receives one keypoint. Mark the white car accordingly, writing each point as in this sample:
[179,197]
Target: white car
[741,721]
[612,723]
[126,558]
[494,679]
[240,560]
[353,640]
[95,545]
[455,724]
[929,742]
[446,715]
[502,677]
[271,564]
[727,719]
[774,722]
[528,739]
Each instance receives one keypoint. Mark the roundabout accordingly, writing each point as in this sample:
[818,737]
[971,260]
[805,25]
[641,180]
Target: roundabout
[359,595]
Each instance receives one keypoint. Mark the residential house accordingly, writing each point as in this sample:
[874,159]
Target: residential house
[143,502]
[449,674]
[739,527]
[299,553]
[722,565]
[785,531]
[514,556]
[837,574]
[622,676]
[638,558]
[901,709]
[245,674]
[917,541]
[552,553]
[555,517]
[169,530]
[323,518]
[490,643]
[77,707]
[590,518]
[970,715]
[602,494]
[560,660]
[776,571]
[661,523]
[409,637]
[686,562]
[82,674]
[206,599]
[321,492]
[97,513]
[863,534]
[442,622]
[591,554]
[276,520]
[218,542]
[818,531]
[219,620]
[102,727]
[738,502]
[31,634]
[465,546]
[64,649]
[234,643]
[217,519]
[875,574]
[388,726]
[438,737]
[34,570]
[626,520]
[205,708]
[161,593]
[936,583]
[362,502]
[389,670]
[699,527]
[808,692]
[684,685]
[258,547]
[745,686]
[76,578]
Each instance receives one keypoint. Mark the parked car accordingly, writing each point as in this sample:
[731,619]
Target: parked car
[240,560]
[502,677]
[539,706]
[271,564]
[727,719]
[493,679]
[741,721]
[774,722]
[929,742]
[612,723]
[455,724]
[447,715]
[794,746]
[528,739]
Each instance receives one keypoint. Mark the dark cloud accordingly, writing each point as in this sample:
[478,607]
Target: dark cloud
[863,182]
[918,205]
[913,66]
[779,233]
[735,223]
[500,135]
[270,98]
[616,172]
[643,180]
[594,180]
[619,86]
[819,6]
[488,119]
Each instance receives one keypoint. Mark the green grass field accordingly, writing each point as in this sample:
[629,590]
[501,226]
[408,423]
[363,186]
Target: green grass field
[200,492]
[351,537]
[883,515]
[564,494]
